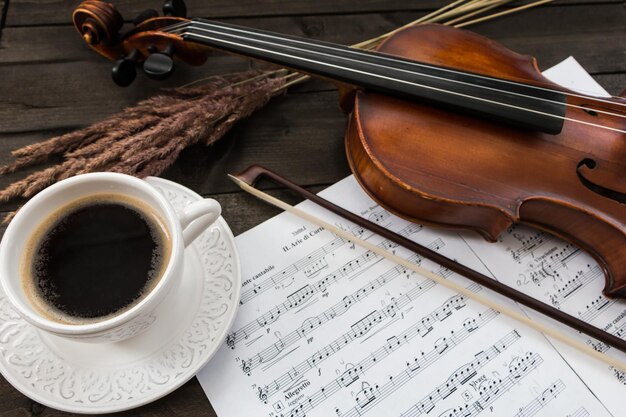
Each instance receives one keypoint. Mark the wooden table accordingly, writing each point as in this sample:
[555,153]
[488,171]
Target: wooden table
[51,83]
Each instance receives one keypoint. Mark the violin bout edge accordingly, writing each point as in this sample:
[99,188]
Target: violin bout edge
[605,242]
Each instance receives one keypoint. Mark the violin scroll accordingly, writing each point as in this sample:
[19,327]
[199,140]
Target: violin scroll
[98,22]
[148,45]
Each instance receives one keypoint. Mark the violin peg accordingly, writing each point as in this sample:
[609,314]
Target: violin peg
[145,15]
[175,8]
[160,65]
[124,71]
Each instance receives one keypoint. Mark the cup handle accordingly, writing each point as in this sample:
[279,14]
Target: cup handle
[197,217]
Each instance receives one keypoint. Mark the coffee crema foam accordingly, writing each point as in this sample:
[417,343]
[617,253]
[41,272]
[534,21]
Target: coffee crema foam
[32,259]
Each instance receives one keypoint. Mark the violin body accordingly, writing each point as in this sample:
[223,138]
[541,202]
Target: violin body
[432,165]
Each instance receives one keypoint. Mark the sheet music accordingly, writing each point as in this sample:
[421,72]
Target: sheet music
[326,328]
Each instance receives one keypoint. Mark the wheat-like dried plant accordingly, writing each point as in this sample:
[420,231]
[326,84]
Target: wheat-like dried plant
[145,139]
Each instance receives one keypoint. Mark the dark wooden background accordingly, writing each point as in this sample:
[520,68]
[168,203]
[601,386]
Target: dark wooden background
[51,83]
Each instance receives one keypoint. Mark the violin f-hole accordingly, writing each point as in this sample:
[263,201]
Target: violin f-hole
[589,164]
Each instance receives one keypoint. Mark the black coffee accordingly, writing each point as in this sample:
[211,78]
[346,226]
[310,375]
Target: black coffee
[96,258]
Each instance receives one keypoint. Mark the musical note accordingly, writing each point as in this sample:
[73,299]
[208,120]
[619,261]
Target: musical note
[528,243]
[366,396]
[596,307]
[300,265]
[352,374]
[561,274]
[490,390]
[305,293]
[378,216]
[358,329]
[443,390]
[550,263]
[291,270]
[315,268]
[575,284]
[540,401]
[413,369]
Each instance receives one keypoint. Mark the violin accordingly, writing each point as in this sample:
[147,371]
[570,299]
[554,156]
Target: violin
[445,127]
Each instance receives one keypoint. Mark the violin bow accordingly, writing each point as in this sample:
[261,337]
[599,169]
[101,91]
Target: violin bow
[248,178]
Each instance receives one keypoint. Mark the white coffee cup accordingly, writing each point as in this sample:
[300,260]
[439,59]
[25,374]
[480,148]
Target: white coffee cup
[182,227]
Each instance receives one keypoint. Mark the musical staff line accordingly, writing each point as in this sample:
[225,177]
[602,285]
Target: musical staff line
[540,401]
[491,390]
[297,266]
[358,329]
[528,244]
[421,363]
[596,307]
[602,347]
[303,294]
[375,394]
[422,328]
[550,263]
[576,284]
[580,412]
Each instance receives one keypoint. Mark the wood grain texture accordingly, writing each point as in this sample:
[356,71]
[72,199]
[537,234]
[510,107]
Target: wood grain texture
[35,12]
[38,12]
[602,25]
[3,12]
[51,83]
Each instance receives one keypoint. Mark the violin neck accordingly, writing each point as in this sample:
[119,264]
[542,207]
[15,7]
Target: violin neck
[515,103]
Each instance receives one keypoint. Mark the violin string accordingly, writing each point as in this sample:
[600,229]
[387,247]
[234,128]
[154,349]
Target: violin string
[412,83]
[413,63]
[171,28]
[387,57]
[391,58]
[409,83]
[609,113]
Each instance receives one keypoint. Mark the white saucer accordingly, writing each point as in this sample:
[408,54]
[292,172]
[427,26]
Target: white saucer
[101,378]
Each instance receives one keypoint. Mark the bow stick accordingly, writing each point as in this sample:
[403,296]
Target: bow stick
[248,178]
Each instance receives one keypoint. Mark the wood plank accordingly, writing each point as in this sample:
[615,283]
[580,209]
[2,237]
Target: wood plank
[43,12]
[3,14]
[603,26]
[615,84]
[63,94]
[188,400]
[37,12]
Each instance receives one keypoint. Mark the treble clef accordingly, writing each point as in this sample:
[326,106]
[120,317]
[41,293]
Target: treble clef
[263,394]
[245,366]
[230,341]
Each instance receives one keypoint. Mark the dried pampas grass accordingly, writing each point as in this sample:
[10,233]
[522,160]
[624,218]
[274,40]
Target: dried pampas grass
[145,139]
